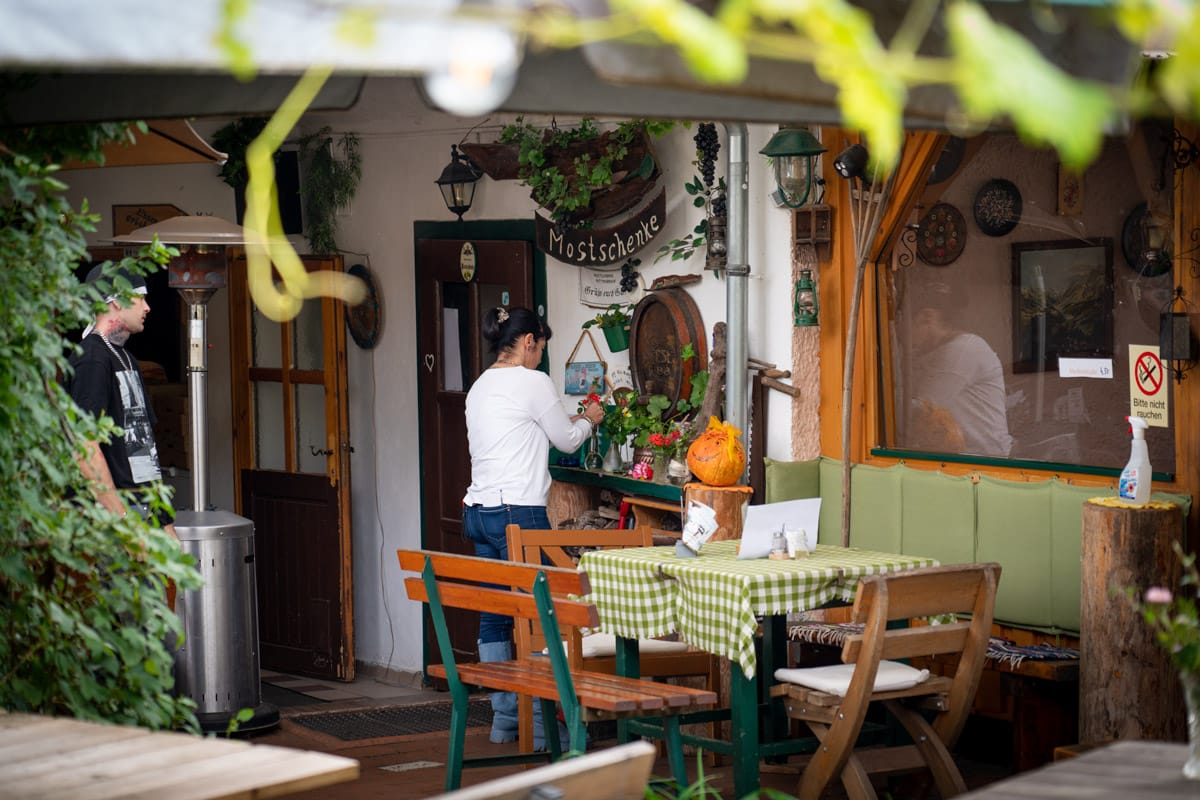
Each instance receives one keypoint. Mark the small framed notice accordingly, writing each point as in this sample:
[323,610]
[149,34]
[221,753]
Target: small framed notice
[126,219]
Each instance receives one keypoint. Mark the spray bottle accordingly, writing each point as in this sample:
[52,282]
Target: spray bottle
[1135,478]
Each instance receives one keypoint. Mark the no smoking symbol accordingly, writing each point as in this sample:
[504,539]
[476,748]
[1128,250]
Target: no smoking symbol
[1149,374]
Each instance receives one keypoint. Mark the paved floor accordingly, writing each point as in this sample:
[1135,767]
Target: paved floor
[401,767]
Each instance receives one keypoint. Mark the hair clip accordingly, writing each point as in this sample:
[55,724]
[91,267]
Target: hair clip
[501,315]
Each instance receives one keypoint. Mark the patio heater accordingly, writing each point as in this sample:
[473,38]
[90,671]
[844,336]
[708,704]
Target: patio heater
[217,664]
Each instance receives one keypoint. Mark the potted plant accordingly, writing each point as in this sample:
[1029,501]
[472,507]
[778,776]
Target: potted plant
[614,322]
[708,193]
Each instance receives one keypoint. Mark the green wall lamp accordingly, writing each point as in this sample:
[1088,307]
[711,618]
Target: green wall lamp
[793,150]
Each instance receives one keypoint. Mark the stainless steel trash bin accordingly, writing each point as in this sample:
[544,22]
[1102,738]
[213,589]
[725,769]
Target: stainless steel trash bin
[217,663]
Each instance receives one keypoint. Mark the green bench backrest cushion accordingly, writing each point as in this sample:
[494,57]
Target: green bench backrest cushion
[1033,530]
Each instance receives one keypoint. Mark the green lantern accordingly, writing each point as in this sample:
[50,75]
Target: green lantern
[804,306]
[793,150]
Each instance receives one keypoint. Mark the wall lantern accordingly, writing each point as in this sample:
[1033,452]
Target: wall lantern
[852,162]
[1156,234]
[457,183]
[793,150]
[1176,344]
[804,306]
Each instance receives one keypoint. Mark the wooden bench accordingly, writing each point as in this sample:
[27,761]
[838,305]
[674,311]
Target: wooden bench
[473,584]
[656,660]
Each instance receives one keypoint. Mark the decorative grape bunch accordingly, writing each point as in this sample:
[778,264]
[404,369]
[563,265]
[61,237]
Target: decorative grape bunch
[708,147]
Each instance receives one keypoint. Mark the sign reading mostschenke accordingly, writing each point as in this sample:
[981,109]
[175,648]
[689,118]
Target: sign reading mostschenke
[597,247]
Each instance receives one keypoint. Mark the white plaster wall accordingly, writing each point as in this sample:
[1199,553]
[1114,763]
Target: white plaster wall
[404,147]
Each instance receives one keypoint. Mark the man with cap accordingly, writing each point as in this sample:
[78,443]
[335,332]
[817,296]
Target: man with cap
[106,379]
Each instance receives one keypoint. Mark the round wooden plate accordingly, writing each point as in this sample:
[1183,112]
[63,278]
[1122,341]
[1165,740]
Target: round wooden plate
[365,320]
[941,236]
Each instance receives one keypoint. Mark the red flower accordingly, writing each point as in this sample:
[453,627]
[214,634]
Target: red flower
[593,397]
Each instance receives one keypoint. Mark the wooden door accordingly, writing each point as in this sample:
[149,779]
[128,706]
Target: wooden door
[292,459]
[451,353]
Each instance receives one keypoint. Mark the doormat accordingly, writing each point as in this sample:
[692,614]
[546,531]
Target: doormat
[378,723]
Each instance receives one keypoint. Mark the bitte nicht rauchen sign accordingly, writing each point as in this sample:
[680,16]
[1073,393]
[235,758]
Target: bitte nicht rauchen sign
[596,247]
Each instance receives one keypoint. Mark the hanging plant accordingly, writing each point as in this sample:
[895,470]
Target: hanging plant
[327,184]
[233,139]
[567,170]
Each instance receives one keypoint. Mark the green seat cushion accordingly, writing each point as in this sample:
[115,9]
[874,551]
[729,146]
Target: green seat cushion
[830,527]
[937,516]
[791,480]
[1013,529]
[874,503]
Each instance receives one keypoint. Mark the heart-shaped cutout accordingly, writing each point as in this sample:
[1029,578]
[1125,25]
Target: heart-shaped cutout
[429,361]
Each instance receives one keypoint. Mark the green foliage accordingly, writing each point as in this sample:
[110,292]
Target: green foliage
[327,184]
[86,626]
[564,192]
[660,789]
[616,315]
[993,71]
[233,139]
[1174,619]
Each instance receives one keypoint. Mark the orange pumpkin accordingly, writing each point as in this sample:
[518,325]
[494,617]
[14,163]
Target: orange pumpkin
[717,456]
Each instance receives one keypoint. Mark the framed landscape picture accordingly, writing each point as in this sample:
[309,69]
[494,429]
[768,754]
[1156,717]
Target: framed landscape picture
[1062,302]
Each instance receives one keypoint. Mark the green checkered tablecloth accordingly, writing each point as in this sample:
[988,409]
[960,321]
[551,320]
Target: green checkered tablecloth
[712,601]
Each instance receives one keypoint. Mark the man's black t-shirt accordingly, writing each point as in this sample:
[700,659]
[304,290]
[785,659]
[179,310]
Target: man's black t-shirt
[109,381]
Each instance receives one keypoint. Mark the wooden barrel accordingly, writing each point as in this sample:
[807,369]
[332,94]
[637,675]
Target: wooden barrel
[664,322]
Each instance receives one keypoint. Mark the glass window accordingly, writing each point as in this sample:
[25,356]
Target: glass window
[1012,314]
[309,402]
[307,337]
[268,426]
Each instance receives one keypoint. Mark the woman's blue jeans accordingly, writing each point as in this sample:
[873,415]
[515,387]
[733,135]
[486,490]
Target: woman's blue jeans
[485,527]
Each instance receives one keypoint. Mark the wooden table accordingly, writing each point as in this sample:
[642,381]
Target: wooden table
[715,602]
[60,757]
[1126,770]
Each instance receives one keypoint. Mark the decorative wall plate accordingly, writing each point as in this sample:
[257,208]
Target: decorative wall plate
[998,207]
[948,161]
[941,235]
[365,320]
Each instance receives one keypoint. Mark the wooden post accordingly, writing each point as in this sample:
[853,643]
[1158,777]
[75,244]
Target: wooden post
[727,501]
[1127,686]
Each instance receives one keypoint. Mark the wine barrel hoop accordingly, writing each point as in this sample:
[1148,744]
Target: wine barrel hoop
[664,322]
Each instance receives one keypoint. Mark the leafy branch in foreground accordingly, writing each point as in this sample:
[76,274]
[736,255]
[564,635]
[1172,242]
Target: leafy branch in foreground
[86,629]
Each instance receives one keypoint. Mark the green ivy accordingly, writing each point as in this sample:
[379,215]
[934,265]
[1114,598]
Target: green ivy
[86,626]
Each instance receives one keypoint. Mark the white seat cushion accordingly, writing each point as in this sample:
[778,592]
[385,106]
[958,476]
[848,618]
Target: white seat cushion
[604,645]
[892,676]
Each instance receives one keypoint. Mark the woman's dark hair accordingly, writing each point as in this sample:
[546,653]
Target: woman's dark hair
[503,326]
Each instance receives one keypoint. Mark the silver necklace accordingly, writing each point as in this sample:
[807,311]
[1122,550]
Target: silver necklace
[121,357]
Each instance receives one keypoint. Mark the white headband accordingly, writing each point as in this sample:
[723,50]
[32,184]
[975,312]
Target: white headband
[112,298]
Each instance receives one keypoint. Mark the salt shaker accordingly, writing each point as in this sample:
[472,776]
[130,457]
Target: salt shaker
[779,542]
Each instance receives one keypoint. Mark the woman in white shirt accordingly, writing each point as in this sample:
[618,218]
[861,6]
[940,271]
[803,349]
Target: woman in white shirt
[513,415]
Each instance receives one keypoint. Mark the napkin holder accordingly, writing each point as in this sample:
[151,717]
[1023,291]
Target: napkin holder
[700,526]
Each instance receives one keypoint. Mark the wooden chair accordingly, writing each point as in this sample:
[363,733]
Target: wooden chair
[478,584]
[596,653]
[835,712]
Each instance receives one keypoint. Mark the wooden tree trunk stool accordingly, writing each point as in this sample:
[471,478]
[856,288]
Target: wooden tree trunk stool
[728,501]
[1127,686]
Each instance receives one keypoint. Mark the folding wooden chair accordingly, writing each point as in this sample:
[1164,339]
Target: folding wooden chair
[596,652]
[833,700]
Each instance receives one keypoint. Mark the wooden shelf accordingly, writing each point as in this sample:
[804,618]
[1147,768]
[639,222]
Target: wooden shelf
[618,483]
